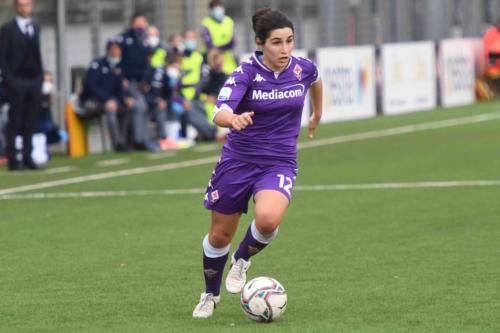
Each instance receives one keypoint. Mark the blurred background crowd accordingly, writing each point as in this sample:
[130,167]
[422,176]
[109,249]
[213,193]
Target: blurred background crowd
[149,71]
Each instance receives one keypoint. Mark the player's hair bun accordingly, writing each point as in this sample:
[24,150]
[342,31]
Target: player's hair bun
[259,13]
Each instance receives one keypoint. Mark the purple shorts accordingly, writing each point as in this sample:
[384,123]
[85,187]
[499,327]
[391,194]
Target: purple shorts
[233,182]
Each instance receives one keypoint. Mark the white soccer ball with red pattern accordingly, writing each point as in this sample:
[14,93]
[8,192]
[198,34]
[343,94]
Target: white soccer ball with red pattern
[263,299]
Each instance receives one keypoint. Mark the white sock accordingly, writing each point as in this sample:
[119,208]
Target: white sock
[264,239]
[213,252]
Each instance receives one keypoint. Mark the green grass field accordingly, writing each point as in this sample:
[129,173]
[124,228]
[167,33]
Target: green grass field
[389,231]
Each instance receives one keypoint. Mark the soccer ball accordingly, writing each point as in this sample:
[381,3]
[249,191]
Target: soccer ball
[263,299]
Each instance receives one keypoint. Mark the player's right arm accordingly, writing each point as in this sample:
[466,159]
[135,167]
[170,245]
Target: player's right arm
[229,99]
[226,118]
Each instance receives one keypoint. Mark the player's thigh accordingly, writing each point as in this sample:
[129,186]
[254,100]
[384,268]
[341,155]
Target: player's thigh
[223,228]
[272,196]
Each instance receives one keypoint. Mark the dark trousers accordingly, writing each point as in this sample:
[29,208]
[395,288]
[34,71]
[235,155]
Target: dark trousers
[24,109]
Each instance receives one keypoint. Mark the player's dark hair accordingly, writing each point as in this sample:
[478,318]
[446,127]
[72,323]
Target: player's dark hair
[215,3]
[266,20]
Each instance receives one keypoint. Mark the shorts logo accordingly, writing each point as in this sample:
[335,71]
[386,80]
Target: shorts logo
[225,94]
[297,70]
[214,196]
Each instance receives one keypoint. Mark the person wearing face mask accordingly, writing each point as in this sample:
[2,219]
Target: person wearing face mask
[157,46]
[45,122]
[192,64]
[134,63]
[218,32]
[175,47]
[104,92]
[46,131]
[22,71]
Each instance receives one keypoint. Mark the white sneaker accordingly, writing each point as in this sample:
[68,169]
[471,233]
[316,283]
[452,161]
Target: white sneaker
[207,305]
[237,276]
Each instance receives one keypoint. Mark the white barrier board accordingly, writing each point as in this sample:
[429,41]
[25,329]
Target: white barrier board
[408,77]
[456,63]
[348,75]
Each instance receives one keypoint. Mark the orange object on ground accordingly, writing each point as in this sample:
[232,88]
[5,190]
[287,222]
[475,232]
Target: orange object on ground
[77,143]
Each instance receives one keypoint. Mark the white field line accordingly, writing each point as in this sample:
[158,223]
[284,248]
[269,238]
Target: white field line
[159,156]
[106,175]
[300,188]
[304,145]
[206,148]
[62,169]
[113,162]
[400,130]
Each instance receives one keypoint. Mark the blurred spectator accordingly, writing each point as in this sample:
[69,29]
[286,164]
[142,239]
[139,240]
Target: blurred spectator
[215,81]
[157,46]
[218,32]
[192,64]
[134,63]
[491,45]
[3,121]
[154,86]
[103,92]
[45,122]
[175,47]
[46,131]
[21,64]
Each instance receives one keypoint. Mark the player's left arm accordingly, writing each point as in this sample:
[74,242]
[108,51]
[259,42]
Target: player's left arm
[316,91]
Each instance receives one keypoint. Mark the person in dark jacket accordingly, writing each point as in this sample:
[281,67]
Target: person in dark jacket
[135,62]
[103,91]
[21,65]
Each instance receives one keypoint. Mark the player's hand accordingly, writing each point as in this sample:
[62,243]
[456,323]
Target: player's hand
[241,121]
[313,123]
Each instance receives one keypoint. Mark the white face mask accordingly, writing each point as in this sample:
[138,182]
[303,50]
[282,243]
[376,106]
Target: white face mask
[173,72]
[47,88]
[113,61]
[154,41]
[180,48]
[218,13]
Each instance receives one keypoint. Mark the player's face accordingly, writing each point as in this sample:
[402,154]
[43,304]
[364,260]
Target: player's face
[278,48]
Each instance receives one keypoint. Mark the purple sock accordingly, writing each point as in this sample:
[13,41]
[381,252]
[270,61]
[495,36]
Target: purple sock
[214,261]
[253,243]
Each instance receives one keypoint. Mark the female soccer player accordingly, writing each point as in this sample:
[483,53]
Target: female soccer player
[261,103]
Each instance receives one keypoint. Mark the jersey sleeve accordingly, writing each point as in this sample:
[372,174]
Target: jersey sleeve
[310,70]
[234,89]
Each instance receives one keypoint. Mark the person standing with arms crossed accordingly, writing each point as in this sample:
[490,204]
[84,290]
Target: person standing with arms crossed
[22,70]
[261,103]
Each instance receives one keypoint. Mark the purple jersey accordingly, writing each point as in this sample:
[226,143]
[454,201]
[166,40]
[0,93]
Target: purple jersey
[277,100]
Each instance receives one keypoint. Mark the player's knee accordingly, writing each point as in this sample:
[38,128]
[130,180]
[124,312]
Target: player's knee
[219,239]
[267,222]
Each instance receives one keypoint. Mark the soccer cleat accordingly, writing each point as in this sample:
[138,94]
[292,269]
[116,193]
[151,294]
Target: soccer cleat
[207,305]
[237,276]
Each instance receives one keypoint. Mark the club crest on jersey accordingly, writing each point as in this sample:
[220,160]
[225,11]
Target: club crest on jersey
[297,70]
[214,196]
